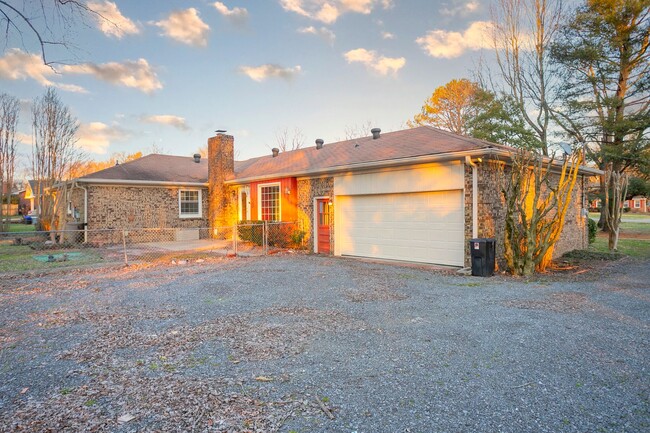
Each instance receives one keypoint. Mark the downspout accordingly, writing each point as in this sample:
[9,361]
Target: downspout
[468,161]
[85,211]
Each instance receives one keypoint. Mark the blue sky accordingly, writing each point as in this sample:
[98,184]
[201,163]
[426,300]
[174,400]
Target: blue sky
[175,71]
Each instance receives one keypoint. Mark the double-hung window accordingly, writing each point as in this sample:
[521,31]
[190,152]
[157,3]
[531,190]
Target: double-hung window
[189,203]
[269,202]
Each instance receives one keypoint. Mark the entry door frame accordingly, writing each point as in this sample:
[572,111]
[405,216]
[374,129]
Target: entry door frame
[246,190]
[315,222]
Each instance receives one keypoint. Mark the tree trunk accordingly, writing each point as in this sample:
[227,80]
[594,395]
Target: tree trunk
[601,219]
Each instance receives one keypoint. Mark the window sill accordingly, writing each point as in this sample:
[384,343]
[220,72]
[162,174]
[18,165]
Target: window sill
[187,217]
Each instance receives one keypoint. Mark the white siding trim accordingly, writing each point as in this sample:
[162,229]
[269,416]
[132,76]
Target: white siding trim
[432,177]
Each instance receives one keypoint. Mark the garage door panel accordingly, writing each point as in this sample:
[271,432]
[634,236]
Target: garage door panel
[421,227]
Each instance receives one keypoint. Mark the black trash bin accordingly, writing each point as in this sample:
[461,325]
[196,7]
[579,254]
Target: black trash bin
[482,251]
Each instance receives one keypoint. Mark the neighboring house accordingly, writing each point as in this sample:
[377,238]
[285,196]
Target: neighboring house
[415,195]
[637,204]
[153,191]
[28,199]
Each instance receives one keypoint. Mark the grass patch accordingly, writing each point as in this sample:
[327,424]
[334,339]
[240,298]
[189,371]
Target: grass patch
[591,255]
[638,248]
[636,228]
[21,228]
[626,215]
[16,258]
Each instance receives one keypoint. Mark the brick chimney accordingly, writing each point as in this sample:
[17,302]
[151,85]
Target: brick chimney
[221,167]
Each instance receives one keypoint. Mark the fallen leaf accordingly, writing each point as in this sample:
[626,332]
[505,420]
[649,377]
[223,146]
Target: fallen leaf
[264,379]
[24,390]
[125,418]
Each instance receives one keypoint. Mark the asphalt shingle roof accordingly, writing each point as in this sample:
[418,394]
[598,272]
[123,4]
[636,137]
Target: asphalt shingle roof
[408,143]
[156,168]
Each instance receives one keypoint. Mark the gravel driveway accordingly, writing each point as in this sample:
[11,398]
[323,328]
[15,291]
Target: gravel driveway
[297,343]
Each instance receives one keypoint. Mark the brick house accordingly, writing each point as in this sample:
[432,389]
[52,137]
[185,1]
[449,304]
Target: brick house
[153,191]
[637,204]
[415,195]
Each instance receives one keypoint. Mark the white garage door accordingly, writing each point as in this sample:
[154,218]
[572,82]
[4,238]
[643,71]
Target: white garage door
[419,227]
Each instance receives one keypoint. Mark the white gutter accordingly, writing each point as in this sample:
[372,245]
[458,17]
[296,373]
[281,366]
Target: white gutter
[373,164]
[492,151]
[468,161]
[142,182]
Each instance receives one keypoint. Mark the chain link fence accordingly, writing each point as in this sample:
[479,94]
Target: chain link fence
[25,251]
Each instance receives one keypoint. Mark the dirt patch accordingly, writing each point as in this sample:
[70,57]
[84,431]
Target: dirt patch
[267,334]
[163,403]
[368,288]
[561,302]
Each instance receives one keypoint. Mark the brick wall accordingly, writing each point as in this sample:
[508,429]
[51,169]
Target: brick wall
[491,214]
[221,167]
[120,207]
[308,189]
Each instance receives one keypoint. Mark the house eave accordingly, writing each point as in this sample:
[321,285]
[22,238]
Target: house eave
[140,182]
[370,165]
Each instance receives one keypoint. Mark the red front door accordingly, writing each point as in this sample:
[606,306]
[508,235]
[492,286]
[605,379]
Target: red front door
[323,214]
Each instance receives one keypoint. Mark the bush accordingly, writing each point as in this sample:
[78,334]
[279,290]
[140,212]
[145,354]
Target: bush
[251,231]
[593,228]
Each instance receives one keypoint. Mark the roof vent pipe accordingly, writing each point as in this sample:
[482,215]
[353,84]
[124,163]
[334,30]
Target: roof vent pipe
[197,157]
[319,143]
[375,133]
[275,151]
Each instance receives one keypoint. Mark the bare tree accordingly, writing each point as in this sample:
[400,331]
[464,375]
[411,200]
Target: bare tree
[615,191]
[286,140]
[9,109]
[54,154]
[537,196]
[358,130]
[44,22]
[522,34]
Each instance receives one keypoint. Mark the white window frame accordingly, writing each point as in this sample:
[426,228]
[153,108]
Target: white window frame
[637,203]
[259,199]
[193,215]
[247,190]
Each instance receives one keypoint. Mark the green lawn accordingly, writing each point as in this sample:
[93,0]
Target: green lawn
[15,258]
[639,248]
[629,215]
[17,228]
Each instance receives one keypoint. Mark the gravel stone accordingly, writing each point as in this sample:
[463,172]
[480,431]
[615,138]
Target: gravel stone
[279,343]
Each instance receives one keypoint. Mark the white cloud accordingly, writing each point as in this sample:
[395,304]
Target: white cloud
[328,11]
[447,45]
[237,16]
[23,138]
[137,74]
[460,8]
[262,72]
[167,119]
[112,22]
[380,64]
[387,35]
[96,137]
[185,26]
[19,65]
[322,32]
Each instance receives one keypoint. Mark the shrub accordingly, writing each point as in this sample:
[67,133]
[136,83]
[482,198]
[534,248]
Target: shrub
[251,231]
[593,228]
